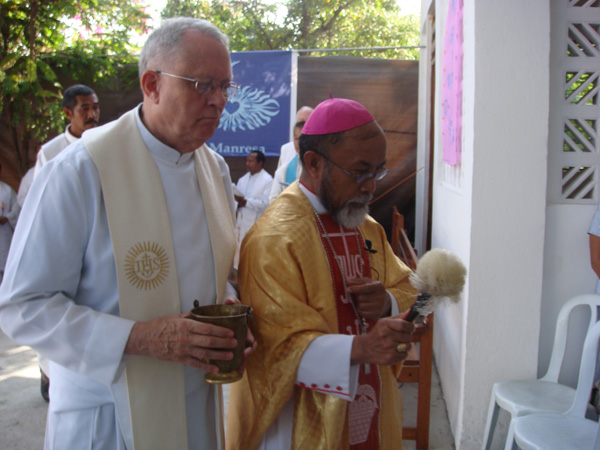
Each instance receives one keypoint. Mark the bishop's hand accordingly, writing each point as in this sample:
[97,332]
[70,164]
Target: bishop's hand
[381,345]
[370,297]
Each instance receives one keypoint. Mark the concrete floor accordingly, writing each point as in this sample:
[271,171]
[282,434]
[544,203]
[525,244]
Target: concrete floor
[22,408]
[23,411]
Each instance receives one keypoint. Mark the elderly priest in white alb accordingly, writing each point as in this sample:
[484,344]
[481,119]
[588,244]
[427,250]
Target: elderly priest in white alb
[141,225]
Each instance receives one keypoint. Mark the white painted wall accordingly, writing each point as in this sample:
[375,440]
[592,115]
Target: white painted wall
[493,217]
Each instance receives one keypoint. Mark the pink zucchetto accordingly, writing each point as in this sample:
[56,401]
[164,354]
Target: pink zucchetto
[335,115]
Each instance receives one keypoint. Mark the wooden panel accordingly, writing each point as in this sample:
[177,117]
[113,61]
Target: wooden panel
[389,90]
[418,365]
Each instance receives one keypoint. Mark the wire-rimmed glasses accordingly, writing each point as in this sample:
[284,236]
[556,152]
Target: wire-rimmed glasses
[206,87]
[362,178]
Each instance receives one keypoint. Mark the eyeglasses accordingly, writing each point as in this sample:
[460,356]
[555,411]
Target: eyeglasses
[228,89]
[362,178]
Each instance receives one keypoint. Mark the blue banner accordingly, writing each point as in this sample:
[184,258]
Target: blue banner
[257,117]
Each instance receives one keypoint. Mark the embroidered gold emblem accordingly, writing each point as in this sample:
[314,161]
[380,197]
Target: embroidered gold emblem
[146,265]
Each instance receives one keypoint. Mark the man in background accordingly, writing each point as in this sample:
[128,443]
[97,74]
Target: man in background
[24,186]
[255,187]
[290,171]
[288,151]
[9,212]
[594,246]
[81,108]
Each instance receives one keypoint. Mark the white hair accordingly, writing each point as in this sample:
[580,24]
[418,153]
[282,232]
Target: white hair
[163,43]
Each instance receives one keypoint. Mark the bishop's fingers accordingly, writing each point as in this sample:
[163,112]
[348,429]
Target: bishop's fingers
[401,325]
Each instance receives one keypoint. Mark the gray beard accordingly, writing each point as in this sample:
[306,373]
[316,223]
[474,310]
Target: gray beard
[346,216]
[351,217]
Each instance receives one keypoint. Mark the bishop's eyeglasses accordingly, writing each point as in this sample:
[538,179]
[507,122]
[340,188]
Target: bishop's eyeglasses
[363,177]
[206,87]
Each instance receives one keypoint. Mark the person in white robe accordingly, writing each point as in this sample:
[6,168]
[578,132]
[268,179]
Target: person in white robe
[142,216]
[255,187]
[290,171]
[288,150]
[24,186]
[9,213]
[286,153]
[82,109]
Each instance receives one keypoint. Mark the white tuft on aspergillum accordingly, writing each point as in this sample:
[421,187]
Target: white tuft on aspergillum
[440,273]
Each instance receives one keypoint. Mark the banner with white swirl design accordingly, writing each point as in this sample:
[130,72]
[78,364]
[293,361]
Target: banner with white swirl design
[257,116]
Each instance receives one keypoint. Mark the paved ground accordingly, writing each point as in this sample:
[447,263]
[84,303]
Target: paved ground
[23,411]
[22,408]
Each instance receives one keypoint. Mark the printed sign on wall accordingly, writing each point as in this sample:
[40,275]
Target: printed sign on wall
[257,117]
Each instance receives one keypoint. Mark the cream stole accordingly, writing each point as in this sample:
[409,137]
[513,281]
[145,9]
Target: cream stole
[145,262]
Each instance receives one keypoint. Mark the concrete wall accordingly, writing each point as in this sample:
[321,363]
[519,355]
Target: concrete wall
[567,270]
[491,211]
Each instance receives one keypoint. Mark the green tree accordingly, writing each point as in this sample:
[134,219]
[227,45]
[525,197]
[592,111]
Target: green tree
[87,40]
[308,24]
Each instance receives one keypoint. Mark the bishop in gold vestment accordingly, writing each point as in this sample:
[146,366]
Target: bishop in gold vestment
[296,267]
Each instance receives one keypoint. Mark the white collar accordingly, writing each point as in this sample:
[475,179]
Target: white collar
[313,199]
[157,148]
[70,137]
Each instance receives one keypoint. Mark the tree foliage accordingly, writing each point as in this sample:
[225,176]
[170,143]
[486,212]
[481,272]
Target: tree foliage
[86,40]
[308,24]
[91,42]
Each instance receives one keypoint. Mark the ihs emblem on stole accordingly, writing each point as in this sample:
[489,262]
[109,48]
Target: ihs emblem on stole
[146,265]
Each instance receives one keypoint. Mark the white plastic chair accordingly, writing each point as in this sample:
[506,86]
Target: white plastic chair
[544,395]
[570,430]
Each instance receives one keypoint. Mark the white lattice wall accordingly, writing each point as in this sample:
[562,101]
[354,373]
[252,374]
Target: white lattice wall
[574,144]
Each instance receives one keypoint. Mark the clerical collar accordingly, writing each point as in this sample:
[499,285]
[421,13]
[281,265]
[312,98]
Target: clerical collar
[313,199]
[157,148]
[70,137]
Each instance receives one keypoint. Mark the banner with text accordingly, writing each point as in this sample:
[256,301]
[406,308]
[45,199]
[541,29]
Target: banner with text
[257,117]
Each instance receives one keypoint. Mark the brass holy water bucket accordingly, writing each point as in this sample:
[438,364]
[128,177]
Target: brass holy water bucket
[235,317]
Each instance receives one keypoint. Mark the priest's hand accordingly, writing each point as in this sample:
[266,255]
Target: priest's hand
[178,338]
[241,200]
[387,343]
[370,297]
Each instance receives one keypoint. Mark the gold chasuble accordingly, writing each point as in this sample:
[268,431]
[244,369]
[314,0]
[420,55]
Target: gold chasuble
[145,261]
[293,268]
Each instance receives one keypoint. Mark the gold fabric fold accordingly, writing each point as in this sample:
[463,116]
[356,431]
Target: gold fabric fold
[284,276]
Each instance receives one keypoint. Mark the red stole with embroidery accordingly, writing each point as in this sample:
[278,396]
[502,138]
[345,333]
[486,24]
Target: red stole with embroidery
[346,250]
